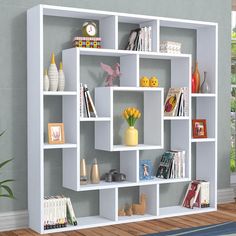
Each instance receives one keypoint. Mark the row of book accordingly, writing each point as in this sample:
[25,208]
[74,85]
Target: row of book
[58,211]
[140,39]
[177,102]
[87,107]
[197,194]
[172,165]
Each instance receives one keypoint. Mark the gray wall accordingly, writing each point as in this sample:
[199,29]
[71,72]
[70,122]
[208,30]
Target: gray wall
[14,80]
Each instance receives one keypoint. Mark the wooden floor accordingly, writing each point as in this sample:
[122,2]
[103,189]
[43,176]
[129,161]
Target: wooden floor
[226,212]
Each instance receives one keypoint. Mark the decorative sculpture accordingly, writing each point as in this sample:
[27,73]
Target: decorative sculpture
[139,209]
[53,74]
[111,73]
[61,78]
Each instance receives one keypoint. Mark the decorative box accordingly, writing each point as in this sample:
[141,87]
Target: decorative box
[170,47]
[87,42]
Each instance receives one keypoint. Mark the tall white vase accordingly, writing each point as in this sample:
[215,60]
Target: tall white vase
[61,79]
[45,81]
[53,74]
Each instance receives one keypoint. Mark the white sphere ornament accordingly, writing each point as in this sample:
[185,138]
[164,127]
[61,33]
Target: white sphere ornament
[61,79]
[53,74]
[45,81]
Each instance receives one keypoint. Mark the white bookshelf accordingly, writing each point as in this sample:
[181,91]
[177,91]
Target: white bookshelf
[153,101]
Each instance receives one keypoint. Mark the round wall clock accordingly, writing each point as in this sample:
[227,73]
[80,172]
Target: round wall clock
[89,29]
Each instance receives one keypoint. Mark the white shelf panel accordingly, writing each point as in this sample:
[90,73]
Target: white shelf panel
[176,118]
[203,95]
[95,119]
[128,219]
[56,146]
[179,210]
[138,147]
[106,185]
[119,53]
[163,181]
[58,93]
[202,140]
[83,222]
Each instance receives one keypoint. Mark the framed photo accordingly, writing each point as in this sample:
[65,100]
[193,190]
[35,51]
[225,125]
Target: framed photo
[145,170]
[56,133]
[199,129]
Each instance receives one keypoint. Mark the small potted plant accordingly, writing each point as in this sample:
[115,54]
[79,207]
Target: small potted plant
[131,115]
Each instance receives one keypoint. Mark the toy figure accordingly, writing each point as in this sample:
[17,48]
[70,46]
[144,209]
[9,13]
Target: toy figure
[144,81]
[112,73]
[153,82]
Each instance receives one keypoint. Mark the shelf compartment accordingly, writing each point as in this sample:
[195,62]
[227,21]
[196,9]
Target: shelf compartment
[119,148]
[131,195]
[179,211]
[59,146]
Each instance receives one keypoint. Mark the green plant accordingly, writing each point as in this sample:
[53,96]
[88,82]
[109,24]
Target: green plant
[5,190]
[232,159]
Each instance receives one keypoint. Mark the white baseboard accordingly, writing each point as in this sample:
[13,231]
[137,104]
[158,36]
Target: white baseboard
[13,220]
[19,219]
[225,195]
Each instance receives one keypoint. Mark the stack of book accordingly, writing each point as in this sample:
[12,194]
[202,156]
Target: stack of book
[197,194]
[140,39]
[87,42]
[87,108]
[177,102]
[58,211]
[172,165]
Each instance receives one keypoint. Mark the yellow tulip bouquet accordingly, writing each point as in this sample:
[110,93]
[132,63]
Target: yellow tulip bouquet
[131,114]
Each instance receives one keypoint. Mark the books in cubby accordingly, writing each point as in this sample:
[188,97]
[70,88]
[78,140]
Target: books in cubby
[140,39]
[87,107]
[172,165]
[177,102]
[58,211]
[197,194]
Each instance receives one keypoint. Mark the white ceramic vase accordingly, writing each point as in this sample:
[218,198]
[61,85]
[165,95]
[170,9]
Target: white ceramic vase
[53,74]
[61,79]
[45,81]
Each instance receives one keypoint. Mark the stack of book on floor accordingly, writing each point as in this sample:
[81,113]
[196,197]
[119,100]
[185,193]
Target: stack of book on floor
[172,165]
[58,211]
[87,108]
[197,194]
[140,39]
[177,102]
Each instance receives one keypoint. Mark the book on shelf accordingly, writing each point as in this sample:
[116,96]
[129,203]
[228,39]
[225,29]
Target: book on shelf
[197,194]
[172,165]
[70,213]
[176,103]
[203,199]
[55,212]
[191,194]
[87,107]
[140,39]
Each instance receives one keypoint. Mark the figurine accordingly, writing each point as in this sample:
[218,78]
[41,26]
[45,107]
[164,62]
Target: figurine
[153,82]
[139,209]
[113,175]
[112,73]
[144,81]
[129,211]
[121,212]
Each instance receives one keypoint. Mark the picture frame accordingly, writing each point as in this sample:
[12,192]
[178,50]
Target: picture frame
[199,128]
[56,133]
[145,170]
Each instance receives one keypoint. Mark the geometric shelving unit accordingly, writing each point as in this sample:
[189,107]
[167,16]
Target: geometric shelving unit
[152,102]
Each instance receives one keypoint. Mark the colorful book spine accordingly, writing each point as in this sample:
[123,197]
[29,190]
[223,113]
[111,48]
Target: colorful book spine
[81,100]
[91,108]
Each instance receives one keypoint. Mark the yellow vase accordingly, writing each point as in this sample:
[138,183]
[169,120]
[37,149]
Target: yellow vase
[131,136]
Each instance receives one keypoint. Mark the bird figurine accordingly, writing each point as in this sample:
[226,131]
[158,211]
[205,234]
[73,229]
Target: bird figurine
[112,73]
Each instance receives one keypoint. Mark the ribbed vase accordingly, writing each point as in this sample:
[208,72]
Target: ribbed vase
[61,79]
[53,74]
